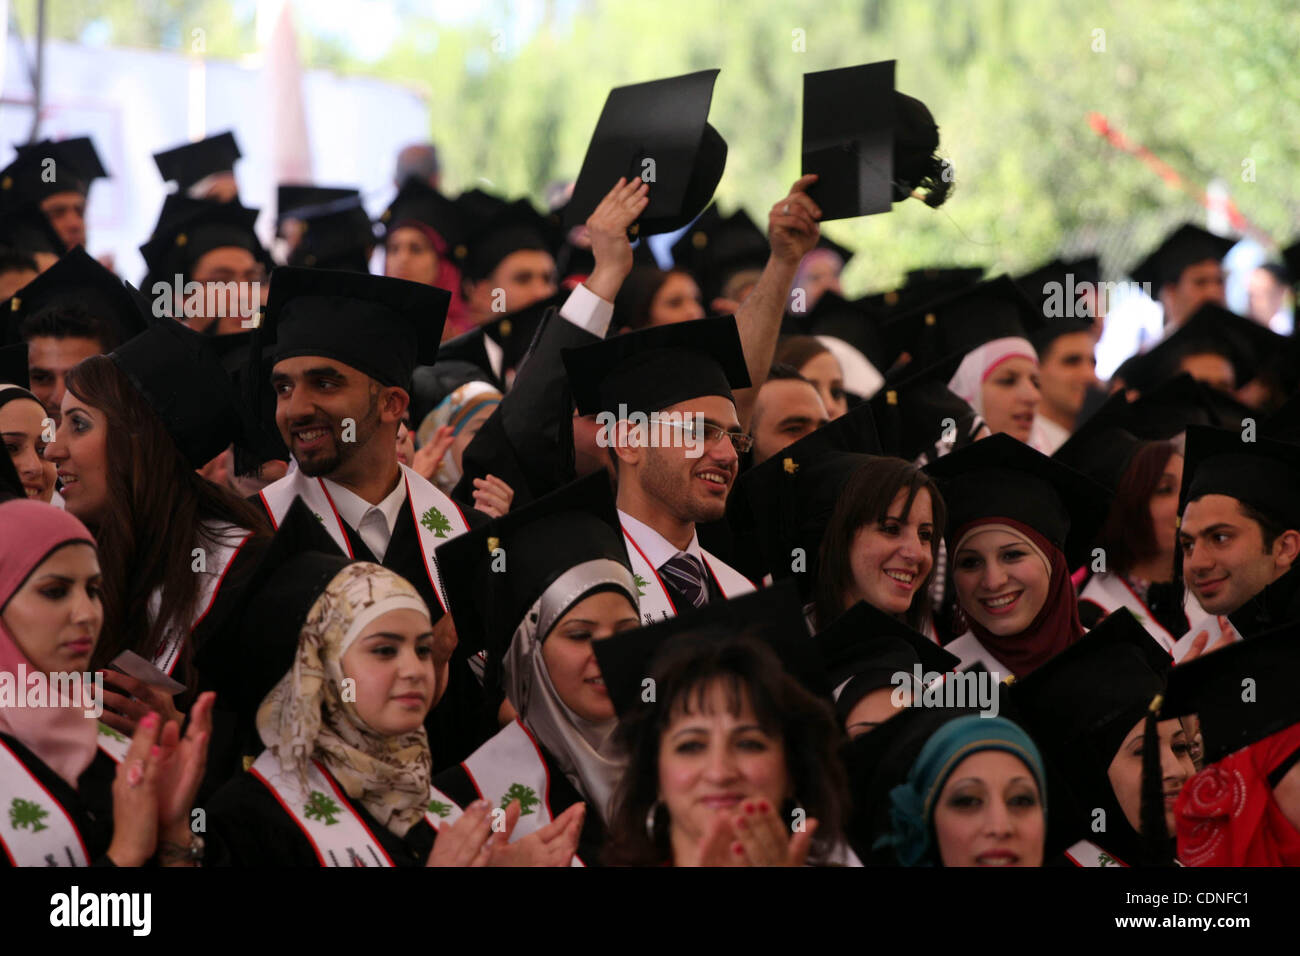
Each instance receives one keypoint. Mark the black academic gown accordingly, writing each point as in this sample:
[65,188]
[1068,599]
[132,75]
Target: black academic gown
[464,717]
[1277,604]
[248,827]
[90,806]
[456,783]
[527,442]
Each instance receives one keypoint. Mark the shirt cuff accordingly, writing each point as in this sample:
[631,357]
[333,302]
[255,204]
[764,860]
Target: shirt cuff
[588,311]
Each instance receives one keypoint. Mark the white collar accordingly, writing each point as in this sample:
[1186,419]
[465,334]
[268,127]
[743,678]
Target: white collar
[352,507]
[656,548]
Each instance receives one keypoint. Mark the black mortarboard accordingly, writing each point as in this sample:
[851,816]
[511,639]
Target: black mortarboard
[912,416]
[79,280]
[1284,424]
[260,440]
[1167,409]
[13,366]
[1085,700]
[335,235]
[380,326]
[844,252]
[31,178]
[26,229]
[1262,473]
[1242,693]
[258,633]
[787,501]
[183,380]
[649,370]
[292,197]
[513,332]
[1053,289]
[1185,246]
[773,615]
[869,145]
[1099,449]
[714,249]
[189,228]
[511,227]
[847,321]
[940,280]
[1001,477]
[939,334]
[1291,259]
[660,126]
[418,202]
[490,593]
[864,648]
[185,165]
[1248,345]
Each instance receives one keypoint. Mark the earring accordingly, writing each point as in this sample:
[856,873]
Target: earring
[650,820]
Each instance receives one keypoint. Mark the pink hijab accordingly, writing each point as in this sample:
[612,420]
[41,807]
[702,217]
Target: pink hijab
[62,737]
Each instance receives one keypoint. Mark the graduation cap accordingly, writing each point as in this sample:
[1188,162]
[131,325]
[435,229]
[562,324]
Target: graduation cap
[335,235]
[511,227]
[182,378]
[380,326]
[28,230]
[864,648]
[1246,344]
[259,630]
[939,280]
[1085,701]
[1100,449]
[1263,473]
[43,169]
[1291,259]
[1001,477]
[773,615]
[1166,410]
[541,543]
[649,370]
[1284,424]
[871,154]
[715,248]
[1053,288]
[662,126]
[188,228]
[1215,687]
[291,198]
[787,501]
[844,252]
[79,281]
[1185,246]
[910,415]
[419,203]
[185,165]
[513,332]
[13,368]
[835,316]
[939,334]
[260,440]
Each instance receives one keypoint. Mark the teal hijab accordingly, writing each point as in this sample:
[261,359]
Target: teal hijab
[912,803]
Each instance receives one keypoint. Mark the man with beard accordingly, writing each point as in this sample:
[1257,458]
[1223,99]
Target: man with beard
[663,397]
[344,346]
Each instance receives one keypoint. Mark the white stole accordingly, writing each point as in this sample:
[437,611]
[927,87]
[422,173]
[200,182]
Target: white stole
[653,597]
[35,829]
[971,651]
[1110,592]
[326,818]
[1087,853]
[510,767]
[437,517]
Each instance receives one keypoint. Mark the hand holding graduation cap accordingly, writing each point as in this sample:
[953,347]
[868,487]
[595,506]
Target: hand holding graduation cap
[792,223]
[607,227]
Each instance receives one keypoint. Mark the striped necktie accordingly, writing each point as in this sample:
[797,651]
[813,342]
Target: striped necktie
[686,575]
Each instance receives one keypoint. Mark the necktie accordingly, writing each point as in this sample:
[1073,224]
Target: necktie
[685,574]
[373,530]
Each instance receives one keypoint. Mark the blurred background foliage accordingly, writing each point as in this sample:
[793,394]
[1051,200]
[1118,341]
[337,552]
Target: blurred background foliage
[515,90]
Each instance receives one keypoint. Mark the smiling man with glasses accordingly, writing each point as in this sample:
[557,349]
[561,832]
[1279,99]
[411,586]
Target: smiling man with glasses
[664,395]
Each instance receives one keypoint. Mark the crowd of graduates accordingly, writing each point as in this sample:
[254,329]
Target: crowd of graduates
[537,550]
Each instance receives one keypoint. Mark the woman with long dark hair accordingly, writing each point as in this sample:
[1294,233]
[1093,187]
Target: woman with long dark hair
[136,424]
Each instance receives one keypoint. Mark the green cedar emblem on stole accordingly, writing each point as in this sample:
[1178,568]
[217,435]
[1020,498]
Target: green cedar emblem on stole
[107,731]
[526,796]
[439,809]
[1105,859]
[319,518]
[436,522]
[321,807]
[27,815]
[640,585]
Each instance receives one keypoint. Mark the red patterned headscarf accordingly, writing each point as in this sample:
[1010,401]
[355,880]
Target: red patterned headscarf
[1227,815]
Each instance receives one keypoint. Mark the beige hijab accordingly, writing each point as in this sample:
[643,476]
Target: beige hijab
[305,716]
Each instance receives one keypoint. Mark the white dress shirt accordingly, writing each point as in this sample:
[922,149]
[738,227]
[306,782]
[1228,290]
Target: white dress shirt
[373,523]
[588,311]
[657,549]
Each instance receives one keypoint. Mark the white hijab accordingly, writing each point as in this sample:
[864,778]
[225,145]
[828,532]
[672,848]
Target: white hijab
[980,363]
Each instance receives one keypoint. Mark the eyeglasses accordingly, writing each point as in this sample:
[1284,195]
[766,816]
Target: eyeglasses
[712,434]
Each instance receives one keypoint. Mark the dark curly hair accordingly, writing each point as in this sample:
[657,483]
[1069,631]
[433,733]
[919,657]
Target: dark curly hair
[686,669]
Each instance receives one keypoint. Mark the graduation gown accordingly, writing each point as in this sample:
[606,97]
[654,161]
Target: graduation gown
[1277,604]
[1107,592]
[248,826]
[528,440]
[553,789]
[62,826]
